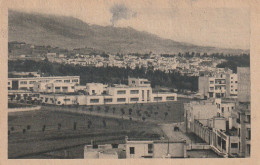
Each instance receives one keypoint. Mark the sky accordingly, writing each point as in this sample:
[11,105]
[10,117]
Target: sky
[190,21]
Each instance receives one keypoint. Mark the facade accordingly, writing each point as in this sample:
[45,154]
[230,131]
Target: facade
[202,111]
[243,111]
[54,87]
[101,94]
[136,149]
[106,151]
[214,126]
[218,85]
[28,82]
[244,85]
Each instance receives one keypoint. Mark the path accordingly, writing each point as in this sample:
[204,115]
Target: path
[174,135]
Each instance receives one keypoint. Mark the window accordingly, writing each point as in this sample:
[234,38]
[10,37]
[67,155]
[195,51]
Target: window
[94,100]
[23,82]
[231,77]
[65,88]
[211,82]
[222,109]
[134,91]
[235,89]
[170,98]
[132,150]
[66,81]
[231,86]
[134,99]
[235,81]
[248,148]
[121,99]
[9,83]
[234,145]
[75,80]
[231,81]
[121,92]
[72,87]
[142,94]
[150,148]
[49,87]
[57,87]
[248,134]
[108,100]
[211,88]
[66,99]
[32,82]
[219,141]
[224,144]
[58,80]
[157,98]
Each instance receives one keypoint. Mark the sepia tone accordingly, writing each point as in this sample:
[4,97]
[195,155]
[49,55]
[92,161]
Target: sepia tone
[115,88]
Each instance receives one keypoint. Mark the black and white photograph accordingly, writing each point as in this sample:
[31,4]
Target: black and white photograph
[128,79]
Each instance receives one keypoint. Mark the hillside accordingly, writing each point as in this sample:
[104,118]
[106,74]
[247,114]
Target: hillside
[69,32]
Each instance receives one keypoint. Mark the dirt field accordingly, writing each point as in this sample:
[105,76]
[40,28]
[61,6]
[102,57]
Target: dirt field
[66,131]
[58,134]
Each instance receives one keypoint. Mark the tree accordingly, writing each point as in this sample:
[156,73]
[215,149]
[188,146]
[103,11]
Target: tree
[165,115]
[130,110]
[114,109]
[89,123]
[104,124]
[91,108]
[143,118]
[98,108]
[122,111]
[106,109]
[75,125]
[59,126]
[155,113]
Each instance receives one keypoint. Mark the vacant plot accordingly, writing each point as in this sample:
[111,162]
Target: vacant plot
[40,132]
[168,112]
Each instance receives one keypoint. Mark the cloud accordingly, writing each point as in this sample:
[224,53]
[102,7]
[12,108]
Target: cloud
[120,11]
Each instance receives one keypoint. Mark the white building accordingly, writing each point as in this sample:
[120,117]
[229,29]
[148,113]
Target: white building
[28,82]
[219,85]
[136,149]
[139,91]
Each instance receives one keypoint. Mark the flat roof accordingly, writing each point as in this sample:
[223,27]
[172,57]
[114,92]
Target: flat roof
[28,78]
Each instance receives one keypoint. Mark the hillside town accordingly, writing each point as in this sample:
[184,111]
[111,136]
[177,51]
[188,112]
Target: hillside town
[220,118]
[191,64]
[127,80]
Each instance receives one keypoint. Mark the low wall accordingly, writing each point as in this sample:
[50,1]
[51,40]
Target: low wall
[198,147]
[24,109]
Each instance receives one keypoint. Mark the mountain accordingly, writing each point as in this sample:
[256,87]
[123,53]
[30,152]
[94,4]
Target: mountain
[69,32]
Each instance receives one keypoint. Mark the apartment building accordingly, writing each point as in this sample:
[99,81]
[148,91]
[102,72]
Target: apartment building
[218,85]
[138,91]
[141,148]
[28,83]
[54,87]
[206,120]
[243,111]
